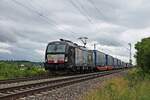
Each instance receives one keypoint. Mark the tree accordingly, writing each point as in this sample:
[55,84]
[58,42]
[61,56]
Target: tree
[143,54]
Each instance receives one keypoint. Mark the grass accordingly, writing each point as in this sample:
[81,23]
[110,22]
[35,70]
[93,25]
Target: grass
[12,70]
[134,86]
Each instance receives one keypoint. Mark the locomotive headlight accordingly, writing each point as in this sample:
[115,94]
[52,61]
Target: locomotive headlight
[66,59]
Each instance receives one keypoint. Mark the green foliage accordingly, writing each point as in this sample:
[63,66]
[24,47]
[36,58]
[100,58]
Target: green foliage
[13,70]
[135,86]
[143,54]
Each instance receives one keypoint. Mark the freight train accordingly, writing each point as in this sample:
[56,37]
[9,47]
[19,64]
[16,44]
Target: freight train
[65,55]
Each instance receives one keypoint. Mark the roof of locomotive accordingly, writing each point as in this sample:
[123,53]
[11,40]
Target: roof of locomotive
[70,43]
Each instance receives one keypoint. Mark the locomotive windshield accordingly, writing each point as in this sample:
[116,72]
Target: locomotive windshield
[56,48]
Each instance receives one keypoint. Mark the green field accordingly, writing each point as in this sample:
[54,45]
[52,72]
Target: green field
[9,69]
[134,86]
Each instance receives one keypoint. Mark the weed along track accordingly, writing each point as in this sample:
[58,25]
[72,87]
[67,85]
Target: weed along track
[20,91]
[8,81]
[33,78]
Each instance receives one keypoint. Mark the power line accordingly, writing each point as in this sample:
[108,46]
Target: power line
[81,12]
[34,11]
[84,12]
[51,19]
[40,14]
[97,9]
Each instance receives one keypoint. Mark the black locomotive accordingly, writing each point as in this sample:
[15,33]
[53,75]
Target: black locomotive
[65,55]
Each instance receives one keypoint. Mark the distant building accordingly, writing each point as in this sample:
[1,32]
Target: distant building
[22,65]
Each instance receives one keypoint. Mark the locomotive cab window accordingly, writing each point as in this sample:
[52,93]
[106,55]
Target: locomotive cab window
[56,48]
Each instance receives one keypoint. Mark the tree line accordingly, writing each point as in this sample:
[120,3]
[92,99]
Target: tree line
[143,54]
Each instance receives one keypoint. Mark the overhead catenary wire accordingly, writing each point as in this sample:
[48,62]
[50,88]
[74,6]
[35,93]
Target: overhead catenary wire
[81,11]
[31,10]
[51,19]
[34,11]
[80,7]
[46,19]
[31,5]
[84,13]
[97,9]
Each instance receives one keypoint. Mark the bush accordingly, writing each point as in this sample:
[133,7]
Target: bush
[9,70]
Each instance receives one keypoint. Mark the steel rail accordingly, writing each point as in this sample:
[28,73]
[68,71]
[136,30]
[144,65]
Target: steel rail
[31,89]
[32,78]
[22,79]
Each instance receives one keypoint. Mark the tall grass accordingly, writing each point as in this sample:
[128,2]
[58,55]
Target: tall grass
[134,86]
[8,71]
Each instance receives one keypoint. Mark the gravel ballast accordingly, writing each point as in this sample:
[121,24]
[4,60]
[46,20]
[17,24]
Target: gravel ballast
[72,92]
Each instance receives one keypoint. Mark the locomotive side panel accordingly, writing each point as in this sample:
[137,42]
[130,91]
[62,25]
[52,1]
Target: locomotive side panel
[90,58]
[78,57]
[81,57]
[85,56]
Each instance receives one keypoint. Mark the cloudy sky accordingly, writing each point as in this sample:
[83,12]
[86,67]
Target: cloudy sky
[26,26]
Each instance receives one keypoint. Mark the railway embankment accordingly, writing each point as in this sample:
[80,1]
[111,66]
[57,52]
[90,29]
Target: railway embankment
[73,91]
[134,85]
[45,90]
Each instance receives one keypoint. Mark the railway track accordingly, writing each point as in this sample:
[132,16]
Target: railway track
[24,79]
[9,81]
[15,92]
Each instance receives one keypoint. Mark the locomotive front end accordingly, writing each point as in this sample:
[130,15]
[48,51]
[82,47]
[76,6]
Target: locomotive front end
[56,56]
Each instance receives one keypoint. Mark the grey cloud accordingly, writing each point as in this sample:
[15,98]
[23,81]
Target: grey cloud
[108,42]
[7,35]
[124,13]
[31,24]
[107,39]
[24,54]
